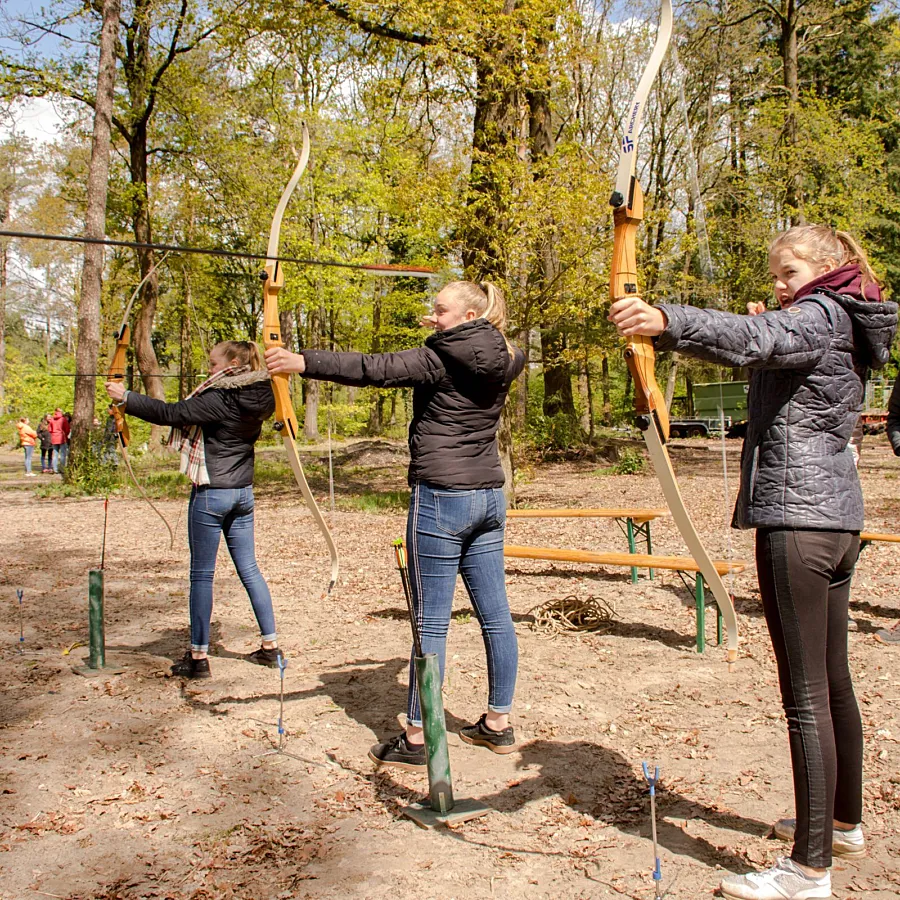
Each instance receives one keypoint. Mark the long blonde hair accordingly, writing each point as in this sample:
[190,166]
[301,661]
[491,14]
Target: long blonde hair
[819,244]
[245,352]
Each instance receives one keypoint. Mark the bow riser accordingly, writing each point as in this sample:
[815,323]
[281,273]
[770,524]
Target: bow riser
[117,373]
[639,353]
[273,281]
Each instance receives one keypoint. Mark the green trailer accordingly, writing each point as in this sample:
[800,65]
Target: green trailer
[718,398]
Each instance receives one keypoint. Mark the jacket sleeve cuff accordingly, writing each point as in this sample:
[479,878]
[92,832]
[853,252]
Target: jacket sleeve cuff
[668,340]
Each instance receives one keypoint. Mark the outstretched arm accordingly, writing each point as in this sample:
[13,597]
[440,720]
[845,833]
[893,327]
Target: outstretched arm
[403,369]
[793,338]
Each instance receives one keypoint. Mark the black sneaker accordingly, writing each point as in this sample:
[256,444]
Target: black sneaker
[482,736]
[400,754]
[263,657]
[188,667]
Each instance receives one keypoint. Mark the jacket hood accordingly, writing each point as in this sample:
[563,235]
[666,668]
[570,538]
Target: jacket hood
[844,280]
[248,386]
[475,347]
[874,325]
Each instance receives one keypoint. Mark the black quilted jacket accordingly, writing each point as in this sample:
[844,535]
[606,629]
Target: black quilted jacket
[808,365]
[460,380]
[231,413]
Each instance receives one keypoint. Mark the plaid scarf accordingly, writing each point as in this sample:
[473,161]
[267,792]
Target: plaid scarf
[189,439]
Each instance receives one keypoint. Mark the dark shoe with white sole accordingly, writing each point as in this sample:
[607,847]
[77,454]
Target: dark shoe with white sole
[264,657]
[399,754]
[188,667]
[479,735]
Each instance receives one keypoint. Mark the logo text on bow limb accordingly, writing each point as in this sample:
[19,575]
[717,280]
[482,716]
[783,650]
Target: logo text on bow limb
[627,145]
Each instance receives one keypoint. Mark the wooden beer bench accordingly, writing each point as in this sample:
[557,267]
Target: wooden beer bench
[634,523]
[680,564]
[870,537]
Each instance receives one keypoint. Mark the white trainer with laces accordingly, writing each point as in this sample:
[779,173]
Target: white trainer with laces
[784,881]
[850,843]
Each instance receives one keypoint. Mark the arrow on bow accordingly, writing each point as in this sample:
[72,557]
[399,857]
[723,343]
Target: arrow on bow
[117,373]
[652,415]
[285,419]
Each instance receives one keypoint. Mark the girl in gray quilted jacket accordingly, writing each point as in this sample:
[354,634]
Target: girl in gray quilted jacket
[800,490]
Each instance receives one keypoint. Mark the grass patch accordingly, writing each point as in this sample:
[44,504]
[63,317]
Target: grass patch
[376,501]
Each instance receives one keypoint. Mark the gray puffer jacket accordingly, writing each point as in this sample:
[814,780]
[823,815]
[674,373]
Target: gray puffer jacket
[808,365]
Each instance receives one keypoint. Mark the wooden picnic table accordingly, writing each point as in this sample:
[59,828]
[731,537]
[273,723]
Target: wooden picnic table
[636,523]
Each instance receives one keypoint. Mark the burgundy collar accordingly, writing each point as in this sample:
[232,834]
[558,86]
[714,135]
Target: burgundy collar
[845,280]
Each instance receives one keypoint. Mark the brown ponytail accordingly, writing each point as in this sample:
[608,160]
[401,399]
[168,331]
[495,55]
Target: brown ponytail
[245,352]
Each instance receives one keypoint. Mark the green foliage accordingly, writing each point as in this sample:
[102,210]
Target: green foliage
[630,462]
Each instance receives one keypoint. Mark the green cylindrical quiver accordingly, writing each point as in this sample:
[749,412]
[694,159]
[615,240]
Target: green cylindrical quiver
[440,782]
[97,655]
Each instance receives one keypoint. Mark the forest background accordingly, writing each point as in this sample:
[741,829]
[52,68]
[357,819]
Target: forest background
[476,138]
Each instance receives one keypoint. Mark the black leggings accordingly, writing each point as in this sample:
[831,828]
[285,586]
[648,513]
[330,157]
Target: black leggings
[804,578]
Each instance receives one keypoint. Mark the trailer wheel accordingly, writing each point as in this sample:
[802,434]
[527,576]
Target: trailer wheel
[696,431]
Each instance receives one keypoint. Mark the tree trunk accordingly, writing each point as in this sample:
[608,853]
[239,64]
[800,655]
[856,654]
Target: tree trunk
[4,285]
[558,395]
[790,66]
[376,413]
[88,351]
[605,391]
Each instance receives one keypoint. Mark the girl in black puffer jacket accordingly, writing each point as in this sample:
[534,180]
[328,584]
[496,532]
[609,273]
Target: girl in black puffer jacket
[457,511]
[216,429]
[800,490]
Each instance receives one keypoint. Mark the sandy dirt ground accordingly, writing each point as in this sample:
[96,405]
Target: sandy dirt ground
[139,785]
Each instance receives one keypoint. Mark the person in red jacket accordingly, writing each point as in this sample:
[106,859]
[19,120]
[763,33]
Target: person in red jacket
[59,436]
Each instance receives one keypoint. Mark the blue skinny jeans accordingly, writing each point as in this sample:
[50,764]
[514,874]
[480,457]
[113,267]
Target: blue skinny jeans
[452,532]
[211,513]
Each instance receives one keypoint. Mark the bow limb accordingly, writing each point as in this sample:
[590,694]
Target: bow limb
[116,372]
[285,419]
[652,414]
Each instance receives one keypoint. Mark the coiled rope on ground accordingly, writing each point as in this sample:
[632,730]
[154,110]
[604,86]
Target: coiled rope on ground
[572,613]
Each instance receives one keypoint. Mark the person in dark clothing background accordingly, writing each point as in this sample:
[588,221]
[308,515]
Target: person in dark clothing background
[216,428]
[457,511]
[891,636]
[800,490]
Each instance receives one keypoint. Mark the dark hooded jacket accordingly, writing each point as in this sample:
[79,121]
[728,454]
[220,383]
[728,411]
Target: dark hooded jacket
[230,413]
[808,367]
[460,380]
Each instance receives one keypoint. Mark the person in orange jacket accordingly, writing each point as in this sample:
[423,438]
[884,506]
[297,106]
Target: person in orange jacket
[27,438]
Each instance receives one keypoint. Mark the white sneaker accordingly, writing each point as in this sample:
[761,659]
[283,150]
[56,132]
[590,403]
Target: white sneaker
[784,881]
[30,475]
[848,844]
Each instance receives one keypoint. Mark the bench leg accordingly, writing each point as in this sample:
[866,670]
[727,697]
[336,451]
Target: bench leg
[649,545]
[700,598]
[718,625]
[629,524]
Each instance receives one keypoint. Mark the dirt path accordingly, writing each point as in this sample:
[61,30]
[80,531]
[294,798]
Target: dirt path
[139,786]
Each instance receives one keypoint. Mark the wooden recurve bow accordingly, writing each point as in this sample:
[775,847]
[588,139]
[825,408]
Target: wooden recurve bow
[285,418]
[652,415]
